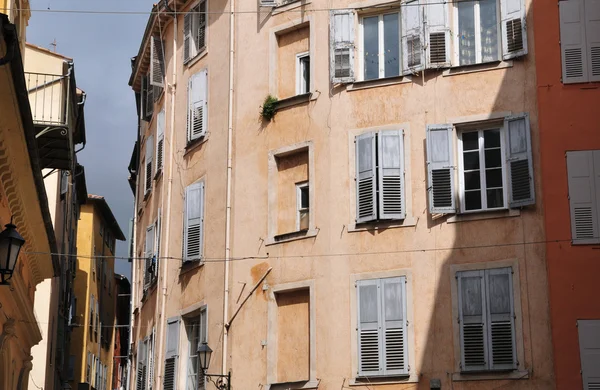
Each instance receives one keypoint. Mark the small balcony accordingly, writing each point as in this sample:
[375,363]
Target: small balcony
[48,97]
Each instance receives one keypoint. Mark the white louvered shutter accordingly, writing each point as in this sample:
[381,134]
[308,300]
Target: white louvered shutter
[157,62]
[202,17]
[519,161]
[151,344]
[440,169]
[572,42]
[501,319]
[592,35]
[141,366]
[412,37]
[366,185]
[584,200]
[194,221]
[370,350]
[197,105]
[391,198]
[589,349]
[472,321]
[202,337]
[149,159]
[437,34]
[187,37]
[171,354]
[160,139]
[341,42]
[149,105]
[394,338]
[514,29]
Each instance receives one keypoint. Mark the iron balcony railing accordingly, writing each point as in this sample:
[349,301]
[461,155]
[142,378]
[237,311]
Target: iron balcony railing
[48,98]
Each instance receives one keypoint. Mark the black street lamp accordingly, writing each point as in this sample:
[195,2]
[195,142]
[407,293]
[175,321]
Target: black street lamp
[204,355]
[10,245]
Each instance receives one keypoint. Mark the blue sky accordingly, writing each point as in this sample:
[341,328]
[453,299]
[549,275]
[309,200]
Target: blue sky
[101,46]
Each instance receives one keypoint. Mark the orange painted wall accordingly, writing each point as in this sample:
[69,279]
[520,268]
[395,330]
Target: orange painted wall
[569,119]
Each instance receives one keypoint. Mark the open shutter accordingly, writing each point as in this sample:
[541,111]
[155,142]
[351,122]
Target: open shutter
[437,34]
[187,36]
[157,62]
[572,42]
[149,101]
[149,158]
[201,30]
[584,201]
[171,354]
[592,36]
[341,42]
[519,161]
[501,319]
[370,351]
[514,29]
[366,187]
[197,105]
[472,321]
[440,169]
[141,366]
[157,248]
[148,255]
[194,221]
[412,37]
[160,139]
[589,349]
[394,326]
[202,337]
[151,344]
[391,174]
[64,182]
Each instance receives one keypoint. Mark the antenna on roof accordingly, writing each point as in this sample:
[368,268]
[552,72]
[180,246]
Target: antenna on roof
[54,44]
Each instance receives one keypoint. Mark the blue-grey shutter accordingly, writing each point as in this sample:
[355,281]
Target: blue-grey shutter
[366,186]
[395,347]
[472,321]
[171,354]
[519,161]
[514,29]
[157,62]
[440,169]
[341,46]
[412,36]
[194,221]
[160,139]
[370,349]
[187,36]
[572,42]
[149,159]
[501,319]
[197,105]
[589,349]
[437,34]
[592,36]
[584,201]
[391,174]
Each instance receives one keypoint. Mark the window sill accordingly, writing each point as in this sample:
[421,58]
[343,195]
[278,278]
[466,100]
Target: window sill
[189,266]
[293,101]
[192,61]
[389,380]
[465,69]
[459,376]
[293,236]
[311,384]
[358,85]
[484,215]
[289,6]
[382,225]
[193,145]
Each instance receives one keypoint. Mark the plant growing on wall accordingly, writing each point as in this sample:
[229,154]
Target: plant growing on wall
[269,108]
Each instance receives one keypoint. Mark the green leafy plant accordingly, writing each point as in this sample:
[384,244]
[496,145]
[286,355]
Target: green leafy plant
[269,108]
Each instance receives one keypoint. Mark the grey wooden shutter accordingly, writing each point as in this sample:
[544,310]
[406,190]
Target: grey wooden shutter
[171,354]
[341,42]
[157,250]
[187,36]
[395,347]
[160,139]
[197,105]
[370,350]
[391,197]
[201,31]
[584,201]
[194,221]
[149,159]
[141,366]
[157,62]
[589,345]
[149,101]
[440,169]
[572,42]
[592,36]
[437,34]
[412,37]
[472,321]
[64,182]
[519,161]
[366,186]
[501,319]
[514,29]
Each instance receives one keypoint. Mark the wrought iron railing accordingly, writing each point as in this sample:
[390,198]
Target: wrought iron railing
[48,98]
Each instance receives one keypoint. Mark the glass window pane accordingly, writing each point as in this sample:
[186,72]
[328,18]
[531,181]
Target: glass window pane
[493,158]
[391,45]
[491,138]
[371,47]
[304,197]
[471,160]
[470,141]
[489,30]
[495,198]
[473,200]
[493,178]
[472,181]
[466,32]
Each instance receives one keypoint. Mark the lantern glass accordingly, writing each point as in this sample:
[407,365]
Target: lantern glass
[204,354]
[10,246]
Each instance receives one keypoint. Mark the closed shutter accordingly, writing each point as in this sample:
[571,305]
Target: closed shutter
[572,42]
[160,139]
[157,62]
[519,161]
[391,174]
[589,349]
[341,42]
[202,17]
[197,105]
[592,35]
[514,29]
[500,318]
[171,354]
[187,37]
[472,321]
[370,351]
[194,221]
[149,159]
[584,200]
[412,37]
[438,34]
[395,354]
[365,178]
[440,169]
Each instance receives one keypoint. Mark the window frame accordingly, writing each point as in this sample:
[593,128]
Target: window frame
[477,23]
[302,86]
[299,209]
[360,76]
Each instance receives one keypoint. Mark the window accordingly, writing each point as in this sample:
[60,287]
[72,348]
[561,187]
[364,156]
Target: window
[92,307]
[197,105]
[194,29]
[147,98]
[141,378]
[88,368]
[196,333]
[302,73]
[302,200]
[150,255]
[380,176]
[193,222]
[380,55]
[171,354]
[579,41]
[478,31]
[487,320]
[583,169]
[589,344]
[148,167]
[160,139]
[293,193]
